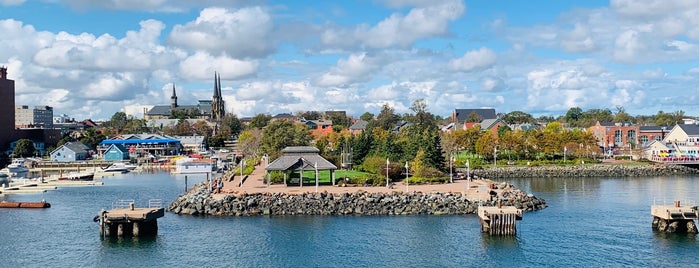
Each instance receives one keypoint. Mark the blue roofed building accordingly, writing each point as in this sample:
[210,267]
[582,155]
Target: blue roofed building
[116,152]
[71,151]
[144,144]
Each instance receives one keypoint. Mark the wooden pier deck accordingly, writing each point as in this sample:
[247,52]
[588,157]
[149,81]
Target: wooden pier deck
[499,220]
[675,218]
[130,220]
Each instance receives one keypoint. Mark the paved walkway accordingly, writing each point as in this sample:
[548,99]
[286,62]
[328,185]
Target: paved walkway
[256,183]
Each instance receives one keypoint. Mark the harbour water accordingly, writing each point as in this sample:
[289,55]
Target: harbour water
[589,222]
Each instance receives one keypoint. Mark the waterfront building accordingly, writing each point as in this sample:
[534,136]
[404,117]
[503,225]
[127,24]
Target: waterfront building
[8,133]
[153,144]
[213,109]
[612,136]
[680,144]
[70,151]
[38,117]
[116,152]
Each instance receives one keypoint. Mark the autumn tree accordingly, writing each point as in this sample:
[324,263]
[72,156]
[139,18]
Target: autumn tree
[249,141]
[260,120]
[24,148]
[281,134]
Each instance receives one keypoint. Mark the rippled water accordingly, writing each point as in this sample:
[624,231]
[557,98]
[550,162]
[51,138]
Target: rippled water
[589,222]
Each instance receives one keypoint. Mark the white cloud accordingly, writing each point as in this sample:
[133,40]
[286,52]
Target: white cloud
[11,2]
[242,33]
[398,30]
[202,65]
[474,60]
[357,67]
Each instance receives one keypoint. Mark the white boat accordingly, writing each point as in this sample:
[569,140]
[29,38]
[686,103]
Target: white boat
[78,176]
[193,165]
[17,166]
[119,167]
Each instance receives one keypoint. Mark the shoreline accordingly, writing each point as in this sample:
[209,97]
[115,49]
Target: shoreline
[587,170]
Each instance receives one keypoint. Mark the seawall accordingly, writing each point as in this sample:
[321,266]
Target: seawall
[198,201]
[589,170]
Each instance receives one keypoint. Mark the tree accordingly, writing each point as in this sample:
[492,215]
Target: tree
[485,145]
[202,128]
[249,141]
[387,118]
[422,117]
[92,138]
[260,120]
[309,115]
[280,134]
[518,117]
[573,115]
[473,117]
[367,116]
[118,121]
[622,116]
[183,128]
[24,148]
[135,126]
[231,122]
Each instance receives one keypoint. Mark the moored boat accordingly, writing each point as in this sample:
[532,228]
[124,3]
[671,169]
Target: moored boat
[119,167]
[78,176]
[12,204]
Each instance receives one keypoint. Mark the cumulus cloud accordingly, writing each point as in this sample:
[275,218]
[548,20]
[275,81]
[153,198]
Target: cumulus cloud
[474,60]
[357,67]
[202,65]
[399,30]
[242,33]
[152,5]
[11,2]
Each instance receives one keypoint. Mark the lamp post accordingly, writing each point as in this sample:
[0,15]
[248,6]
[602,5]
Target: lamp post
[242,166]
[316,168]
[406,176]
[565,149]
[451,164]
[266,157]
[387,163]
[495,156]
[468,170]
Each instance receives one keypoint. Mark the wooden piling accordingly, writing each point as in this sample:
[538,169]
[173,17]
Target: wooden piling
[675,218]
[130,221]
[499,220]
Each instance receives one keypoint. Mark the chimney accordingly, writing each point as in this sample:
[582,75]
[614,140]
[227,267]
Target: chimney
[3,73]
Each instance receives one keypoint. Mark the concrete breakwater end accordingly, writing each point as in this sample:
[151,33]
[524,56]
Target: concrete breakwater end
[590,170]
[198,201]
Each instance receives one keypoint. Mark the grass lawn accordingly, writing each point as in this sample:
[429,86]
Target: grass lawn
[324,175]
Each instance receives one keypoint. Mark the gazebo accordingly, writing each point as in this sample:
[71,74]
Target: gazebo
[300,158]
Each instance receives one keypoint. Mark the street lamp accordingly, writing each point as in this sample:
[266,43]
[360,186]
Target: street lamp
[468,170]
[242,166]
[565,149]
[451,164]
[266,157]
[387,163]
[495,156]
[406,176]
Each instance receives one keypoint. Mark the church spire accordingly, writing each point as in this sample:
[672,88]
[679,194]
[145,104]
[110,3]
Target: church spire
[173,98]
[218,109]
[216,85]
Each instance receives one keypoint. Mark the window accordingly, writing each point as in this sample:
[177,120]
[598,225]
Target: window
[644,139]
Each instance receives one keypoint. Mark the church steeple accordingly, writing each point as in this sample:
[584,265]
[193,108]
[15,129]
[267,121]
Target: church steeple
[173,98]
[218,109]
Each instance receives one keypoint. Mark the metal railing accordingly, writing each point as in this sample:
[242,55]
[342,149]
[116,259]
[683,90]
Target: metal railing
[122,203]
[155,203]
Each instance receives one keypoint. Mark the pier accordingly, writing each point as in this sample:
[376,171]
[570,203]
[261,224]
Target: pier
[128,220]
[675,218]
[499,220]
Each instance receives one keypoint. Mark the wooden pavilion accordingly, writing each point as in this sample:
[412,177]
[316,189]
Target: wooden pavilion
[300,158]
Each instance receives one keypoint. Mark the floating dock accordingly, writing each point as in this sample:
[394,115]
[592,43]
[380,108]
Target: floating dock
[10,204]
[675,218]
[499,220]
[127,220]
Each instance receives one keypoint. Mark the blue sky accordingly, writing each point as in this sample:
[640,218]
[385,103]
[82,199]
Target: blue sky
[92,58]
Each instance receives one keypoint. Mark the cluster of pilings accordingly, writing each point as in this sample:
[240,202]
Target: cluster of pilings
[499,220]
[675,218]
[131,221]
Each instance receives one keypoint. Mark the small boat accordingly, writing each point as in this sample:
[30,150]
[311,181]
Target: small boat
[78,176]
[119,167]
[17,166]
[11,204]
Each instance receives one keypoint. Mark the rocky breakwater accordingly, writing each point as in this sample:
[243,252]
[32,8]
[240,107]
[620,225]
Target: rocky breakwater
[590,170]
[198,201]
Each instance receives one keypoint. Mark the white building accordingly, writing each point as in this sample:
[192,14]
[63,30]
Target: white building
[38,117]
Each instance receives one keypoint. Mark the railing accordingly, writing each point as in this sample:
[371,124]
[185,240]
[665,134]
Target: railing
[122,203]
[155,203]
